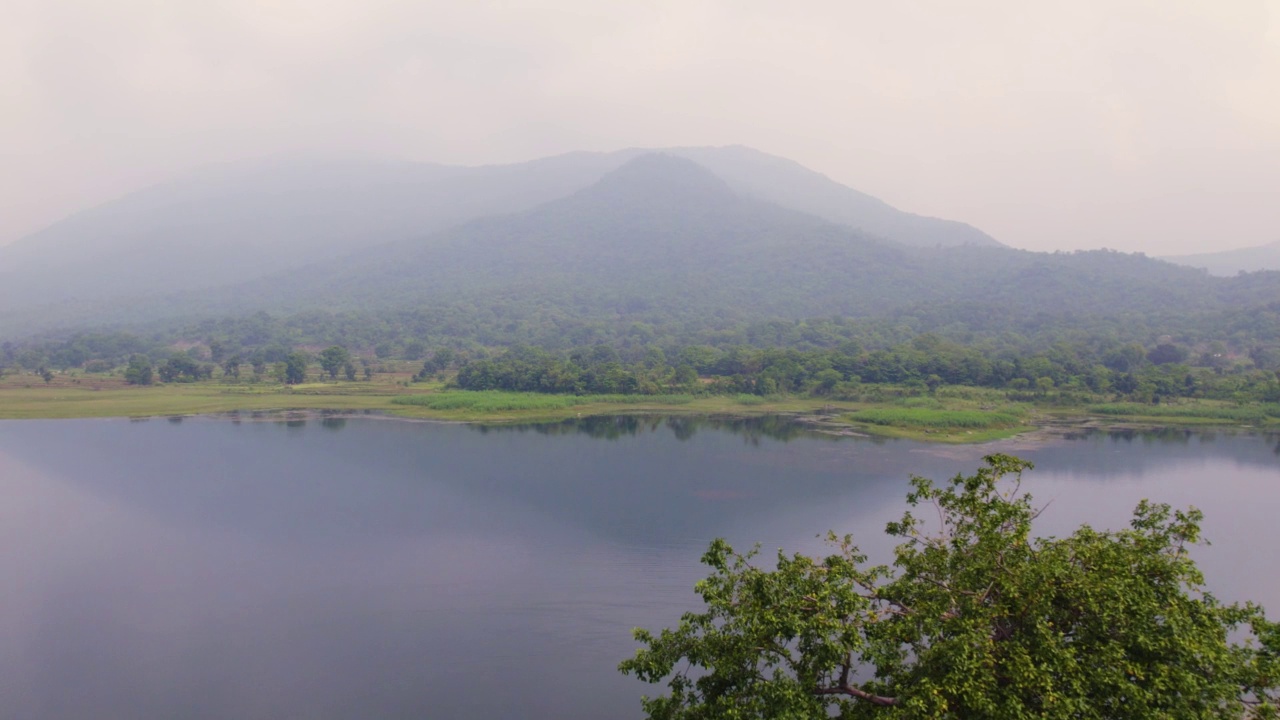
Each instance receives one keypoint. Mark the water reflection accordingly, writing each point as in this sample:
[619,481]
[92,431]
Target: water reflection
[683,427]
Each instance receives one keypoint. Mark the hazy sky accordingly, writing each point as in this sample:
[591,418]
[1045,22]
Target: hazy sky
[1148,125]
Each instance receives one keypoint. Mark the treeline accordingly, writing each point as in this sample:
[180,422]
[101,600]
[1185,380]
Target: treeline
[1130,371]
[290,367]
[837,357]
[1246,336]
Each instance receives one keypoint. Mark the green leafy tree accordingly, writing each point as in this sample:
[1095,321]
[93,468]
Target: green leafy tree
[258,362]
[139,371]
[231,367]
[333,359]
[1167,353]
[686,377]
[975,619]
[827,380]
[181,367]
[295,368]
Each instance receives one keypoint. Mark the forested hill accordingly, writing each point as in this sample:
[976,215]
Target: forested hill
[660,233]
[665,243]
[238,222]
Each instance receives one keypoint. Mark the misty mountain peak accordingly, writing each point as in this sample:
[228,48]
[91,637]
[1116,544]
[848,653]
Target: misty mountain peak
[662,179]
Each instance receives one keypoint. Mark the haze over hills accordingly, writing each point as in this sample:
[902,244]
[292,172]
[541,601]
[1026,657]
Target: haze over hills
[791,185]
[667,230]
[663,241]
[233,223]
[662,237]
[658,230]
[1231,262]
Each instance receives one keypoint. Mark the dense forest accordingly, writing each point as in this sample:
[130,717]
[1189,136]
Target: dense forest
[835,358]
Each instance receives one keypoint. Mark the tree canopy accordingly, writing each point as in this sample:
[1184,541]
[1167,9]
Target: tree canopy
[975,618]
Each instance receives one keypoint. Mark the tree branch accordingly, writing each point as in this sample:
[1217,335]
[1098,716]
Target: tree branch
[844,688]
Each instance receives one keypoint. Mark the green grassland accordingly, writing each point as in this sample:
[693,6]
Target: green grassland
[950,415]
[1192,413]
[953,415]
[497,401]
[26,396]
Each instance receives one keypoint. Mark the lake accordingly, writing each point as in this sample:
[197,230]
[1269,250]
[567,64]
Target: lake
[368,568]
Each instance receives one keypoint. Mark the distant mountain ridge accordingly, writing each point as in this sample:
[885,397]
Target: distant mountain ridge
[664,242]
[233,223]
[1230,262]
[789,184]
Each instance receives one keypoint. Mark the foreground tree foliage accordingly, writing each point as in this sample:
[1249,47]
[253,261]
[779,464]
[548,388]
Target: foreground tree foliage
[975,619]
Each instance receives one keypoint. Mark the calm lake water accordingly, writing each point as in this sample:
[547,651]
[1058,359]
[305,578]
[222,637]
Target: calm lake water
[369,568]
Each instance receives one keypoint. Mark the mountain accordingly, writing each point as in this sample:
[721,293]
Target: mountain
[665,242]
[662,245]
[1231,262]
[233,223]
[659,230]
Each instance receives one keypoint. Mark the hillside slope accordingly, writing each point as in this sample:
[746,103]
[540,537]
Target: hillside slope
[790,184]
[235,223]
[663,240]
[229,224]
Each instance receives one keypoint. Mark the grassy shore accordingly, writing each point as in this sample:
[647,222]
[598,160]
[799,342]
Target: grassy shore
[952,415]
[1193,413]
[27,396]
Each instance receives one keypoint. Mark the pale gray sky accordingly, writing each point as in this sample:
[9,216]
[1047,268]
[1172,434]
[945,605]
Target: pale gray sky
[1148,125]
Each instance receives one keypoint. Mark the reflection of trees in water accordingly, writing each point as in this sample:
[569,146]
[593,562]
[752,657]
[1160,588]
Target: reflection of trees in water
[1177,436]
[1168,435]
[683,427]
[329,419]
[1155,449]
[605,427]
[774,427]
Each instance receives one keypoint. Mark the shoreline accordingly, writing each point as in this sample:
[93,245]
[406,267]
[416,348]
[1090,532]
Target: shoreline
[324,401]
